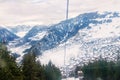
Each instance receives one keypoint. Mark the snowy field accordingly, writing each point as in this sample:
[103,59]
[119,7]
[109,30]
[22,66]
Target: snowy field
[71,79]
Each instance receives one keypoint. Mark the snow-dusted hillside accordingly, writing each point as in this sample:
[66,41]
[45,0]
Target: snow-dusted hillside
[85,37]
[36,33]
[63,31]
[98,34]
[6,35]
[19,46]
[20,30]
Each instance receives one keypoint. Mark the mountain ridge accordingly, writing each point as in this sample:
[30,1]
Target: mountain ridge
[83,36]
[6,35]
[64,30]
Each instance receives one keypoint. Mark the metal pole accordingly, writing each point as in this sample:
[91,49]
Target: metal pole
[67,11]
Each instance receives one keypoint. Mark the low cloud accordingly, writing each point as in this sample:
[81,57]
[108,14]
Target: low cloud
[30,12]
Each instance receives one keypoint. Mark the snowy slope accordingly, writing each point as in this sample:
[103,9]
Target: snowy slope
[18,51]
[20,30]
[61,32]
[86,37]
[71,79]
[99,37]
[6,35]
[36,33]
[19,46]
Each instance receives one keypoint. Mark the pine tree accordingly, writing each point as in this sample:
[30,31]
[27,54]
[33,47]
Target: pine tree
[52,72]
[32,69]
[8,67]
[28,67]
[40,71]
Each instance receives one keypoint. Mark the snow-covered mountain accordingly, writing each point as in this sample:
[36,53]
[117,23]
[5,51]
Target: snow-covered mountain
[65,30]
[87,37]
[32,36]
[6,35]
[36,33]
[82,38]
[19,46]
[20,30]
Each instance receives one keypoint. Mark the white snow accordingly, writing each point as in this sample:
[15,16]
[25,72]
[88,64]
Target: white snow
[56,55]
[103,30]
[79,48]
[21,34]
[72,78]
[19,50]
[38,36]
[20,30]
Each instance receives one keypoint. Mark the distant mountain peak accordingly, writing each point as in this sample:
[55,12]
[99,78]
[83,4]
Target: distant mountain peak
[7,35]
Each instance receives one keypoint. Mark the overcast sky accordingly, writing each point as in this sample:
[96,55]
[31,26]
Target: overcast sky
[33,12]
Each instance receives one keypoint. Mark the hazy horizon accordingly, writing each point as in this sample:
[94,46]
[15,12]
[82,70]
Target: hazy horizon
[46,12]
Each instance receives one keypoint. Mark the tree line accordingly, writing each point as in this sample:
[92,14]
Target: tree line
[101,69]
[30,69]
